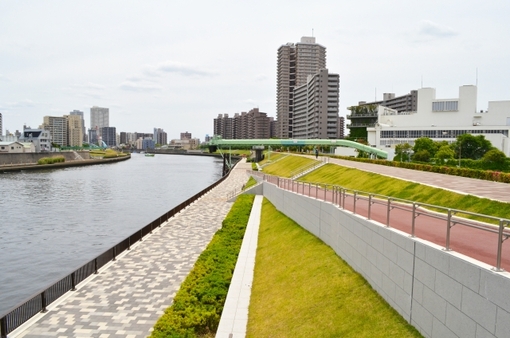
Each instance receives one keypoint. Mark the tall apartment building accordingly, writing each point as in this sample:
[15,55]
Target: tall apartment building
[74,130]
[160,136]
[223,127]
[81,114]
[295,62]
[341,127]
[58,129]
[186,136]
[316,107]
[1,126]
[99,118]
[109,136]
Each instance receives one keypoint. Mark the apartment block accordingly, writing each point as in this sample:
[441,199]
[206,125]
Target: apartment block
[316,107]
[58,129]
[99,118]
[295,62]
[74,130]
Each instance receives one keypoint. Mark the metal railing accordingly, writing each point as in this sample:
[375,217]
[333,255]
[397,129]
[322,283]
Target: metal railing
[38,303]
[390,211]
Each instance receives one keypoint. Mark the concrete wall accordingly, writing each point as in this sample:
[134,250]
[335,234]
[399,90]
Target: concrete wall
[442,294]
[30,158]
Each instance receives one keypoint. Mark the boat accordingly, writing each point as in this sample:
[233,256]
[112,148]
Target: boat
[149,155]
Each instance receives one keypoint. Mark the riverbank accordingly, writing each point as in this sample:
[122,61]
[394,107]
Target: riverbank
[5,168]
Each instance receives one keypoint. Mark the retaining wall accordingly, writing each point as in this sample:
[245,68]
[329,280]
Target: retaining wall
[441,293]
[31,158]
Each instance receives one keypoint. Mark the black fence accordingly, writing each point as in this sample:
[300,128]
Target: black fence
[21,313]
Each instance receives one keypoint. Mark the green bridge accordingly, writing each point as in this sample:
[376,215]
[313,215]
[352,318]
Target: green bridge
[221,143]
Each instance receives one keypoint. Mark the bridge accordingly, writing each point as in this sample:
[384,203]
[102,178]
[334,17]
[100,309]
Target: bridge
[221,143]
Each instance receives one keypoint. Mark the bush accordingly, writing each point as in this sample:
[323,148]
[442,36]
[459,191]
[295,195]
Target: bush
[51,160]
[198,304]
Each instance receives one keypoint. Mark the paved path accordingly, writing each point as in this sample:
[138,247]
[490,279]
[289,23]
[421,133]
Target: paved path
[127,298]
[488,189]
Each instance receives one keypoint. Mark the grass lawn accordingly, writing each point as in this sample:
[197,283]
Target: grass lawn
[301,288]
[287,166]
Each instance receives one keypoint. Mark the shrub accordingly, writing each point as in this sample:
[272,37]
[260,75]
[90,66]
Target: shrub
[51,160]
[198,304]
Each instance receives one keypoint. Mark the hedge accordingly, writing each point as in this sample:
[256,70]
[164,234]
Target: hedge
[197,306]
[51,160]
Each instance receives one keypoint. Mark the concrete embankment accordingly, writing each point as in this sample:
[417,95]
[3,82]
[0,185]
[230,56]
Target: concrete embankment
[17,166]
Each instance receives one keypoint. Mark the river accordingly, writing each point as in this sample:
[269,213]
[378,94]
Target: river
[54,221]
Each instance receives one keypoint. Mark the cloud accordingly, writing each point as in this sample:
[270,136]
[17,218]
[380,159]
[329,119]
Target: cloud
[4,78]
[434,30]
[139,86]
[261,77]
[21,104]
[177,68]
[89,85]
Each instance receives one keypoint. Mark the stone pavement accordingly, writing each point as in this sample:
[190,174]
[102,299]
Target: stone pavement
[128,297]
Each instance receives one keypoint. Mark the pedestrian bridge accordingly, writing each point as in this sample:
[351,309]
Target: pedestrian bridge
[221,143]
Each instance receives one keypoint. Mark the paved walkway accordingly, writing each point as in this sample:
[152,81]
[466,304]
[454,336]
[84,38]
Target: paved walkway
[488,189]
[127,298]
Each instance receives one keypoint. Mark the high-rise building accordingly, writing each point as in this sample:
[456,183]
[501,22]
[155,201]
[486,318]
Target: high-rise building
[74,130]
[316,107]
[1,126]
[109,136]
[186,136]
[99,118]
[58,129]
[295,63]
[80,113]
[160,136]
[341,127]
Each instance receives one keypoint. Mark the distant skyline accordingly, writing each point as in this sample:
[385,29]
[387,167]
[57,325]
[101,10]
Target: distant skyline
[176,65]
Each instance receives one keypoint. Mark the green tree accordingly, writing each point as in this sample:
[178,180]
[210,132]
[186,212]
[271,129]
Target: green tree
[422,156]
[473,147]
[445,153]
[495,156]
[403,151]
[424,143]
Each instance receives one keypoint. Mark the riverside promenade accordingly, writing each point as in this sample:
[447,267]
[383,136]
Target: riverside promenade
[129,295]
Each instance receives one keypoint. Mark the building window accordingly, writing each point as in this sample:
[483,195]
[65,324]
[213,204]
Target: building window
[445,106]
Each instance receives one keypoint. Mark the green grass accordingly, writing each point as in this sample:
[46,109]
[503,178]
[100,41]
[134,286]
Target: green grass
[51,160]
[288,166]
[301,288]
[384,185]
[251,182]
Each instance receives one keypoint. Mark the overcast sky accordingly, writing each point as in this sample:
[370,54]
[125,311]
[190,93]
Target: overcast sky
[176,65]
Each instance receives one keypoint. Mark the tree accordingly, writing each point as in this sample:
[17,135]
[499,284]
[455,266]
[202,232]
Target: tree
[494,156]
[445,153]
[402,151]
[421,156]
[473,147]
[424,144]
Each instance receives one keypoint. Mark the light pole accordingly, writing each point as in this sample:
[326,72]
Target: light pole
[460,149]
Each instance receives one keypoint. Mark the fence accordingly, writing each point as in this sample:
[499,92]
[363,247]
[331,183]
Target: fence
[38,303]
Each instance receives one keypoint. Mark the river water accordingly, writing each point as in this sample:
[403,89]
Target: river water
[54,221]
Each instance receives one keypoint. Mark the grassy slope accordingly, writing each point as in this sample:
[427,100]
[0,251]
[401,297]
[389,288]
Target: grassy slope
[379,184]
[287,166]
[302,288]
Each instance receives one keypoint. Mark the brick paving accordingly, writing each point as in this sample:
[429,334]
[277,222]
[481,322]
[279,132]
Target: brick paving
[127,298]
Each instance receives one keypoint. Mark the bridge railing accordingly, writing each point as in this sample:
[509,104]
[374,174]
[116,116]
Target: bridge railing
[390,211]
[38,303]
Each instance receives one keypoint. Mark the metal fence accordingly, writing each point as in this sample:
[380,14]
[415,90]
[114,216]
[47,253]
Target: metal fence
[393,212]
[38,303]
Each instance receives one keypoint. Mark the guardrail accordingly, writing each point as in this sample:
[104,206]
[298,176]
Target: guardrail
[19,314]
[383,209]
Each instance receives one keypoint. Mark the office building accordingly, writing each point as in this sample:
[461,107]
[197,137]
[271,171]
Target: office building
[295,62]
[160,136]
[99,118]
[442,120]
[316,107]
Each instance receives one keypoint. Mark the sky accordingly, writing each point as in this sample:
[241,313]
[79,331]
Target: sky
[177,64]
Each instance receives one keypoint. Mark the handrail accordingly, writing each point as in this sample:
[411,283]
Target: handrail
[338,195]
[37,303]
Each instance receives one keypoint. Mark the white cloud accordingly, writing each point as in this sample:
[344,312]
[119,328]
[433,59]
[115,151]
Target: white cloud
[139,86]
[89,86]
[21,104]
[434,30]
[177,68]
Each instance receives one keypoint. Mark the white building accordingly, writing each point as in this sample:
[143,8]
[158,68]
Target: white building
[39,137]
[11,147]
[99,118]
[443,120]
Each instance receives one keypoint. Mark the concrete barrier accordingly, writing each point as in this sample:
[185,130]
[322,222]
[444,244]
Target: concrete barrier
[441,293]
